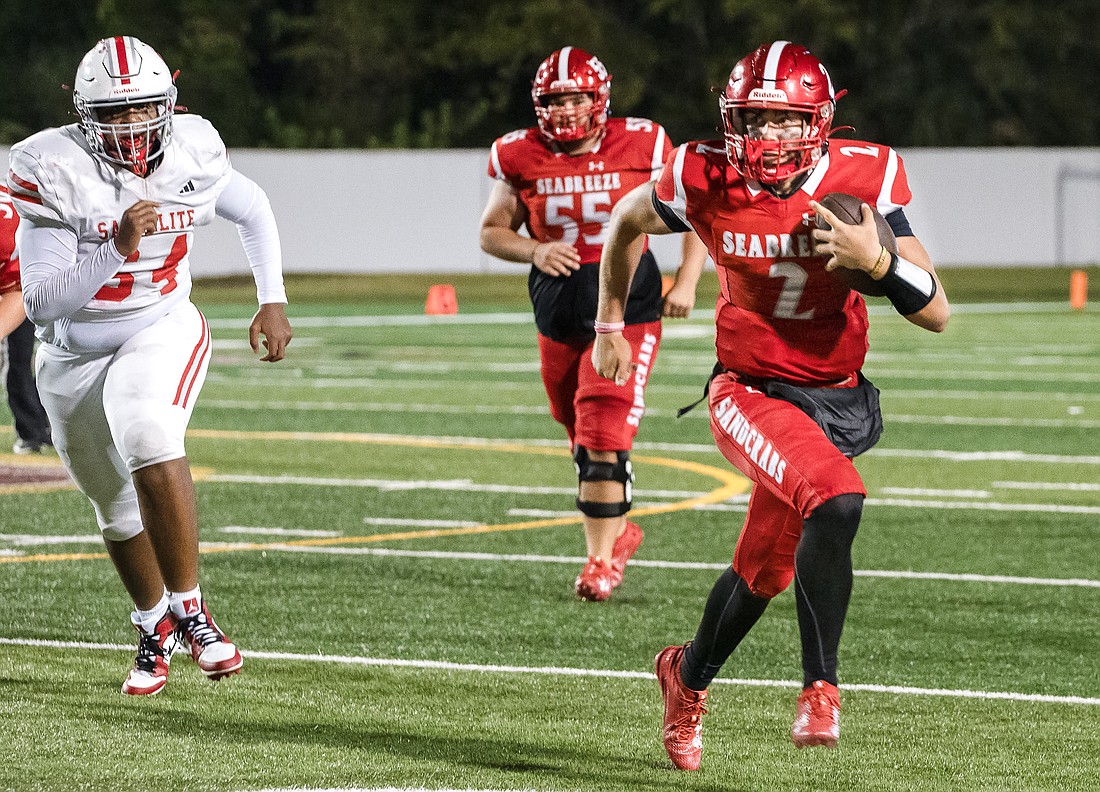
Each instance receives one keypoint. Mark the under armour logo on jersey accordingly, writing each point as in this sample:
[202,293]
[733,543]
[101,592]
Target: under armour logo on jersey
[592,166]
[188,188]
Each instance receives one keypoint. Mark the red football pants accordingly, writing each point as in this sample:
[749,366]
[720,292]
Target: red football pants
[794,469]
[597,413]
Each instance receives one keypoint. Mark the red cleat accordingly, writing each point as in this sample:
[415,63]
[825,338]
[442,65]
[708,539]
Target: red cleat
[594,582]
[817,720]
[215,655]
[150,671]
[626,544]
[684,710]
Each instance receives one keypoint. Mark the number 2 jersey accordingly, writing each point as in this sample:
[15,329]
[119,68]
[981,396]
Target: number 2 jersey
[569,199]
[57,182]
[779,314]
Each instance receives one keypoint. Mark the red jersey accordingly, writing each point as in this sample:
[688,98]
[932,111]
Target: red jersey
[9,262]
[779,313]
[569,199]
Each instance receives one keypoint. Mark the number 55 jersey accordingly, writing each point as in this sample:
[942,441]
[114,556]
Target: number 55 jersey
[569,199]
[58,183]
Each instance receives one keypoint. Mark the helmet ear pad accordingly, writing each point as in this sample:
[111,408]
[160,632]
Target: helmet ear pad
[571,70]
[778,76]
[120,72]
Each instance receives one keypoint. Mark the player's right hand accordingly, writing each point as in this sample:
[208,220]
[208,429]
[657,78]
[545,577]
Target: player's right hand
[556,258]
[612,357]
[137,221]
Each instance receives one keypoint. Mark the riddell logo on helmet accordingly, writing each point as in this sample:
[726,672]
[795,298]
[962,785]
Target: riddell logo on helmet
[767,95]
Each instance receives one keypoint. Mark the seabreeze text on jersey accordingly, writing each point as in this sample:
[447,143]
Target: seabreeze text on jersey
[589,182]
[747,245]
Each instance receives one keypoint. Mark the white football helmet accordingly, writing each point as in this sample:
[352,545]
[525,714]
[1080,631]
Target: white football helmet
[124,71]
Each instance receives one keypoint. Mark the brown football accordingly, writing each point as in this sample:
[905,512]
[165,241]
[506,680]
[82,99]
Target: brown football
[846,209]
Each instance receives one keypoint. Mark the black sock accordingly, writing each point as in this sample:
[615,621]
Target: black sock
[823,583]
[730,613]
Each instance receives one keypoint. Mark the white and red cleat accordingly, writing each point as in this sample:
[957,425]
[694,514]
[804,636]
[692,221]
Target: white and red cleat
[215,655]
[150,671]
[817,720]
[626,544]
[594,582]
[684,710]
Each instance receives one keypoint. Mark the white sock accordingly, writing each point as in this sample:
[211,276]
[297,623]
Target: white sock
[146,620]
[185,603]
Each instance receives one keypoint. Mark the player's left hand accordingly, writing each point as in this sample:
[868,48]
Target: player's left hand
[678,302]
[270,322]
[612,357]
[852,246]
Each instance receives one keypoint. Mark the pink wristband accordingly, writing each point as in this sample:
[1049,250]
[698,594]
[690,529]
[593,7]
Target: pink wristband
[608,327]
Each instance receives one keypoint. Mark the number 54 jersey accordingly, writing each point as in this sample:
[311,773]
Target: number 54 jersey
[57,182]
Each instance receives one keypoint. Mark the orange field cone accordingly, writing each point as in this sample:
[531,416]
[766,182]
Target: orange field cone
[441,300]
[667,282]
[1078,289]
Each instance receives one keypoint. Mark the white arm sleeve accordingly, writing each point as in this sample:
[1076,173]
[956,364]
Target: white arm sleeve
[244,203]
[55,284]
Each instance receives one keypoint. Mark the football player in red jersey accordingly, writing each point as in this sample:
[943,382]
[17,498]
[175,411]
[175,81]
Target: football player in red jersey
[11,298]
[789,405]
[561,180]
[32,427]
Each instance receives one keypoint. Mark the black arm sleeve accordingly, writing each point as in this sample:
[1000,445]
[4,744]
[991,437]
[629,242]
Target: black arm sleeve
[899,223]
[671,220]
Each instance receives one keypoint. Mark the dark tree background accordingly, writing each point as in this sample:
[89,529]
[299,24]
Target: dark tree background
[421,74]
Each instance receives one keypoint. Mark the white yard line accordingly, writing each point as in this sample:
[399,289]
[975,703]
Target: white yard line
[437,665]
[902,574]
[733,504]
[935,493]
[985,395]
[653,412]
[259,531]
[1043,508]
[410,523]
[1056,486]
[525,317]
[986,456]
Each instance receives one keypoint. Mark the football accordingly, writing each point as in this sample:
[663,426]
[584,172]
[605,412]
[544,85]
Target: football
[846,209]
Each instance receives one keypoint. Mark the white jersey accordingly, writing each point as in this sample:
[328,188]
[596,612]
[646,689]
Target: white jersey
[59,183]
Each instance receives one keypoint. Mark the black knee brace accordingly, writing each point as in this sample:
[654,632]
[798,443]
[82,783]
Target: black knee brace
[589,470]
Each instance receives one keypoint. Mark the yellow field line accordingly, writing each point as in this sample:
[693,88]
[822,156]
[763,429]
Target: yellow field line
[731,484]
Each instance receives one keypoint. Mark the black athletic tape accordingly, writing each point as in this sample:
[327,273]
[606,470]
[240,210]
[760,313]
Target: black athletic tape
[908,286]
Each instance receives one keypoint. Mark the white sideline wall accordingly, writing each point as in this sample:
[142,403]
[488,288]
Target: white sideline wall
[417,211]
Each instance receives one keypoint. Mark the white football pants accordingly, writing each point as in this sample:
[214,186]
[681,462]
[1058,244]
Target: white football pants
[116,412]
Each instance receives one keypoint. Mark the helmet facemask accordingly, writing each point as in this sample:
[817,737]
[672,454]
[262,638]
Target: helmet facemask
[134,145]
[772,161]
[578,124]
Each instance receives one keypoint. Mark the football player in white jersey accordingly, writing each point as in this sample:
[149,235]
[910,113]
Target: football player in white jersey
[108,208]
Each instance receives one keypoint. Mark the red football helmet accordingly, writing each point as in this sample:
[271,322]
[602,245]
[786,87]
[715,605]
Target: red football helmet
[571,70]
[777,76]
